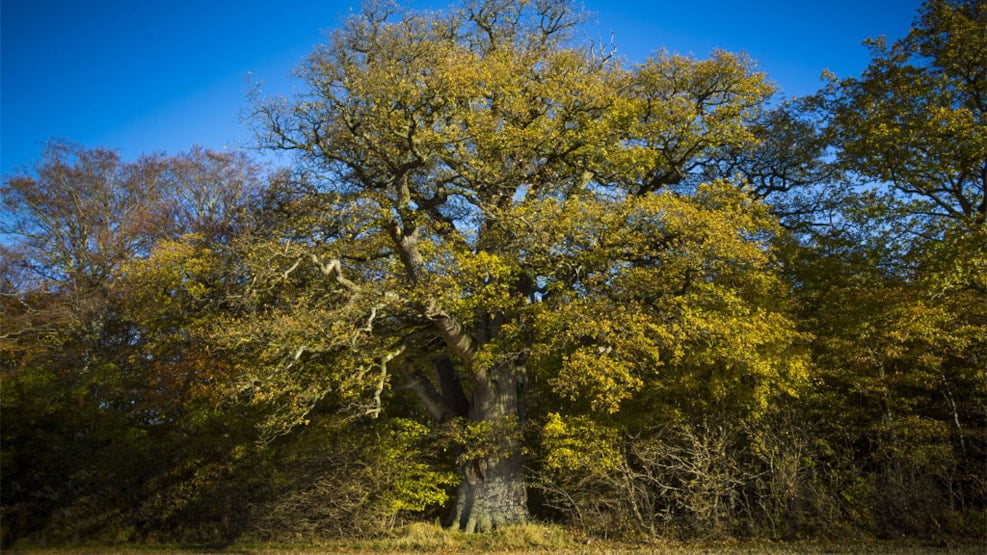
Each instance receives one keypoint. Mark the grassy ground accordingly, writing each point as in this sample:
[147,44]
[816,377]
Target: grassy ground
[528,540]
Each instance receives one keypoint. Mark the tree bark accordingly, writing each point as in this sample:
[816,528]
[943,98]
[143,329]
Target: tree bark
[492,493]
[452,387]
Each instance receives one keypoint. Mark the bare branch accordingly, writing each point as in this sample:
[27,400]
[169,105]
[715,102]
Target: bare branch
[334,268]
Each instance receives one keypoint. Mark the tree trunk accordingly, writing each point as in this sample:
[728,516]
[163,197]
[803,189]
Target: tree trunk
[492,493]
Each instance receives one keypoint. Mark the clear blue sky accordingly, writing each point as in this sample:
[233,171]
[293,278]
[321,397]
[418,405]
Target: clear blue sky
[163,75]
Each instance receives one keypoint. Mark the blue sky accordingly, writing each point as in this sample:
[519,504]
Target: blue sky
[146,76]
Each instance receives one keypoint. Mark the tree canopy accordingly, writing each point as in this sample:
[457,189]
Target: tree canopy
[486,181]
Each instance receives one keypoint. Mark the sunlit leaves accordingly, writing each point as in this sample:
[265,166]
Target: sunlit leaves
[578,445]
[682,109]
[676,293]
[413,484]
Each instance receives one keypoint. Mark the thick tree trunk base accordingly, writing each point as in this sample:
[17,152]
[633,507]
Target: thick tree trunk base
[491,502]
[493,491]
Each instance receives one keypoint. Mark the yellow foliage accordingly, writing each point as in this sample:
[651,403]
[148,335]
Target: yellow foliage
[520,187]
[577,445]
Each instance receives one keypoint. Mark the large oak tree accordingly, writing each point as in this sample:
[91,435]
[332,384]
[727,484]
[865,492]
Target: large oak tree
[488,208]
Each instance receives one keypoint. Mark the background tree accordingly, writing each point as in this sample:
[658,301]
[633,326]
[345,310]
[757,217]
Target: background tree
[893,290]
[914,119]
[105,381]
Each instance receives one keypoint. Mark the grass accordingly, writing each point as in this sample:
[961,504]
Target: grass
[529,539]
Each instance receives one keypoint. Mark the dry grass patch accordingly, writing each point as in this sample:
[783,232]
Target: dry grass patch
[424,537]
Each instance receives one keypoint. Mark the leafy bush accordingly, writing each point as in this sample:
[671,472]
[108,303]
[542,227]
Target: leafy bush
[346,483]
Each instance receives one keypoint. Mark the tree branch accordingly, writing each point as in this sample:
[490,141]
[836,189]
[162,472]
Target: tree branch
[455,337]
[334,268]
[433,401]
